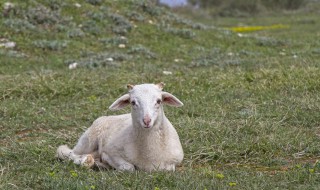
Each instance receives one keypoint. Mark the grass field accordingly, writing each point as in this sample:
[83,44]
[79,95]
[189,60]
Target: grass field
[251,118]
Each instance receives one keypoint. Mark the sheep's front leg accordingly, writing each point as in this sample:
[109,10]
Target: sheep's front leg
[117,162]
[64,152]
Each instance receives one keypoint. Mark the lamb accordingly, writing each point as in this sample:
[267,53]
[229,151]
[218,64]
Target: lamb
[143,140]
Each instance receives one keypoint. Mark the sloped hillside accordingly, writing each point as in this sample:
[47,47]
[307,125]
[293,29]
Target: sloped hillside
[54,34]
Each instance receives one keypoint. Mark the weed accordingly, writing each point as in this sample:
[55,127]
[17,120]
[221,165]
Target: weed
[100,60]
[19,25]
[94,2]
[50,45]
[114,41]
[140,49]
[122,25]
[75,32]
[133,15]
[12,53]
[184,33]
[42,15]
[92,28]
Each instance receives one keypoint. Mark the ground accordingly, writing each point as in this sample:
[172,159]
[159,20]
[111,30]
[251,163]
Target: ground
[251,98]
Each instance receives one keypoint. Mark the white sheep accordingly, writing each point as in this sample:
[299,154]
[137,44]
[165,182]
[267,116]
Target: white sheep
[143,140]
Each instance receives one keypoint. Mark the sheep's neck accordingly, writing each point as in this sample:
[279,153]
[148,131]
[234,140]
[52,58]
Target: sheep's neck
[153,139]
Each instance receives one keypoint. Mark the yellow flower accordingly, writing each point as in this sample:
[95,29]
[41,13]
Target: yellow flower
[257,28]
[52,174]
[219,176]
[73,173]
[232,184]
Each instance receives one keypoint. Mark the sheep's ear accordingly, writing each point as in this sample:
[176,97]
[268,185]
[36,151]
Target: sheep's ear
[130,86]
[171,100]
[121,102]
[160,85]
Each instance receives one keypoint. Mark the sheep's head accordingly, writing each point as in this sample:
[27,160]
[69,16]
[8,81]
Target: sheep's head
[146,101]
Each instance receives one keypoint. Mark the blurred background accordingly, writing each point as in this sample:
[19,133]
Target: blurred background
[243,7]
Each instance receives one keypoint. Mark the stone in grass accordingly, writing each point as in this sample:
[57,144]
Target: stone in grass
[73,65]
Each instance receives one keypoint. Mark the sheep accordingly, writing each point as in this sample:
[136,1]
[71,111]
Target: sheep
[143,140]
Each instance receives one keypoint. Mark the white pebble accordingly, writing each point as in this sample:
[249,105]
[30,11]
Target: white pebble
[73,65]
[122,45]
[240,35]
[77,5]
[110,59]
[167,72]
[8,44]
[8,5]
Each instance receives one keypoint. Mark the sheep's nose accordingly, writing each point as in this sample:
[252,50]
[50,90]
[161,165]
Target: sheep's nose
[147,120]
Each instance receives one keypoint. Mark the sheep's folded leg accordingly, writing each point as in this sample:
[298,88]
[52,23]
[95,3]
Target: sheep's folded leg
[117,162]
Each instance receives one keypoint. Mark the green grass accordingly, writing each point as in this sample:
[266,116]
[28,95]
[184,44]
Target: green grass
[252,103]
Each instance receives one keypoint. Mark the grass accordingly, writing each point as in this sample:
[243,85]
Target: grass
[251,114]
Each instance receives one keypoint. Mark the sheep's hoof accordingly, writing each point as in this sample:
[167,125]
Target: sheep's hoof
[87,161]
[126,167]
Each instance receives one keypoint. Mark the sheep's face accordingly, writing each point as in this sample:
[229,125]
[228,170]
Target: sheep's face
[146,101]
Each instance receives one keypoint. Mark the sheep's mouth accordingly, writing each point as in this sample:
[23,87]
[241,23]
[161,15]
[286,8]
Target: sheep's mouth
[147,126]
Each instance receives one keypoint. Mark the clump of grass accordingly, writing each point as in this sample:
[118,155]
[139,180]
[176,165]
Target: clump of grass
[54,4]
[150,8]
[43,15]
[175,19]
[114,41]
[122,24]
[94,2]
[316,51]
[183,33]
[140,49]
[12,53]
[265,41]
[133,15]
[97,16]
[75,32]
[54,45]
[91,27]
[19,25]
[104,59]
[216,57]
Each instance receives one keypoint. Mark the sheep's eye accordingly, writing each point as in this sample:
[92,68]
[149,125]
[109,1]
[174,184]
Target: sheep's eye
[158,101]
[133,103]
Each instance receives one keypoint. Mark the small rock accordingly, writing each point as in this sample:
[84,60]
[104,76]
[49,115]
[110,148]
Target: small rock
[77,5]
[177,60]
[73,65]
[7,6]
[167,72]
[122,45]
[240,35]
[8,44]
[110,59]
